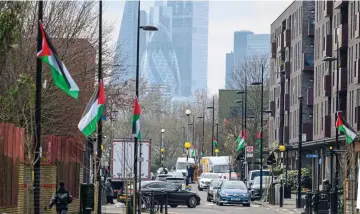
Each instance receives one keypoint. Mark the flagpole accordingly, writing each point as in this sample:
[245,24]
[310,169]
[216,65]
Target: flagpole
[99,136]
[37,140]
[261,130]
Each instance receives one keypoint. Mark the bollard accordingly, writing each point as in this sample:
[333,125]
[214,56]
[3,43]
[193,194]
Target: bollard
[166,203]
[281,202]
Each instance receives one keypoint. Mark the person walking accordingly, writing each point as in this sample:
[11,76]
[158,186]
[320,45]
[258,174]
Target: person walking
[62,198]
[190,174]
[109,192]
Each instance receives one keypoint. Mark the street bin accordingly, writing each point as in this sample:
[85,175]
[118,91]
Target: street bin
[87,192]
[287,191]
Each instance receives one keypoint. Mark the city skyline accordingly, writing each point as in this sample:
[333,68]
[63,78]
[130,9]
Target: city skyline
[240,15]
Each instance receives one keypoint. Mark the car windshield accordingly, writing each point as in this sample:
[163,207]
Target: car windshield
[209,176]
[257,173]
[234,185]
[265,180]
[181,165]
[220,168]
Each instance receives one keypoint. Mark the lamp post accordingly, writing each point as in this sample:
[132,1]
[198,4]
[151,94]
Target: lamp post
[298,202]
[213,123]
[282,149]
[162,147]
[188,112]
[135,168]
[243,115]
[333,199]
[187,145]
[261,125]
[203,132]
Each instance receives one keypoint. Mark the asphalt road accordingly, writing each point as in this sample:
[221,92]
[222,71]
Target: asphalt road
[209,208]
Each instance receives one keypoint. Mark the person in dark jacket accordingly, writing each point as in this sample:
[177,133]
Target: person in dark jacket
[62,198]
[190,173]
[109,192]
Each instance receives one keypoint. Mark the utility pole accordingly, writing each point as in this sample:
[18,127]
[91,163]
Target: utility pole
[37,139]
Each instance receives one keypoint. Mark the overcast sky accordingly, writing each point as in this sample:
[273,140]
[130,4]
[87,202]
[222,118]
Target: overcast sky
[225,17]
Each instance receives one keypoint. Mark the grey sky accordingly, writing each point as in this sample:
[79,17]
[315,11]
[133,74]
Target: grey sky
[225,17]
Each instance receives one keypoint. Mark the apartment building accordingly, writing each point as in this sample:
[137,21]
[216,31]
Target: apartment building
[291,72]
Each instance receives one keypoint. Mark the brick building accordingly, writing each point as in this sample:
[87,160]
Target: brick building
[291,72]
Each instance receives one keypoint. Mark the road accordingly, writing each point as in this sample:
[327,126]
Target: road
[210,208]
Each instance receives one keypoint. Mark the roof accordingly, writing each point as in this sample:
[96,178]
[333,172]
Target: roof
[181,159]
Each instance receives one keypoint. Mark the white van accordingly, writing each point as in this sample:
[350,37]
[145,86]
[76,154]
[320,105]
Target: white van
[181,165]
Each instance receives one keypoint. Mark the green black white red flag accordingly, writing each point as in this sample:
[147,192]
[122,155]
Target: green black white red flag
[93,111]
[136,120]
[259,140]
[215,144]
[59,72]
[242,142]
[345,128]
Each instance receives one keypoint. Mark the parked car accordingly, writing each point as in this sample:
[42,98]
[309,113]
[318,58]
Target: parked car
[162,177]
[233,192]
[205,179]
[176,181]
[175,195]
[213,184]
[256,173]
[255,186]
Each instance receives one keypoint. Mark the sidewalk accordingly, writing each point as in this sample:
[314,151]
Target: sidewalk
[289,205]
[119,208]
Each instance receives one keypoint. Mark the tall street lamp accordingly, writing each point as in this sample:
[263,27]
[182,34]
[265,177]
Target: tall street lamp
[243,122]
[162,147]
[145,28]
[333,201]
[261,124]
[203,132]
[213,123]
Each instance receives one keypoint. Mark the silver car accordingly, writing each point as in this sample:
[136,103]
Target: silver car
[212,188]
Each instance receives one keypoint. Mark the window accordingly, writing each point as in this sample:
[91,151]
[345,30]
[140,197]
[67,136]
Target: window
[154,186]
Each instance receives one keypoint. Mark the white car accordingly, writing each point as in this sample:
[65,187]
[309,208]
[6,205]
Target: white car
[205,179]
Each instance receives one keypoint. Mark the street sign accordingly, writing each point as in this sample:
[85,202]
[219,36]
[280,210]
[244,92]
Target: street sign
[250,149]
[312,155]
[249,155]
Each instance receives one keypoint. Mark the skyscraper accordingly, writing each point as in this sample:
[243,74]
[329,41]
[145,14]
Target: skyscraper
[125,53]
[229,69]
[246,45]
[200,31]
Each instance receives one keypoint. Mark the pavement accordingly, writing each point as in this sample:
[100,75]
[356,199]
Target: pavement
[205,207]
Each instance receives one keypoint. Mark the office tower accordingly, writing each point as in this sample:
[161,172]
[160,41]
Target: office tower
[229,69]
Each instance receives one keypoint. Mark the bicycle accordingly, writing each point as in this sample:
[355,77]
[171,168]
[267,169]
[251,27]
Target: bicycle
[146,204]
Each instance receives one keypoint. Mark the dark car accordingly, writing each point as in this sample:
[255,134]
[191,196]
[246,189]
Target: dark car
[175,195]
[162,177]
[233,192]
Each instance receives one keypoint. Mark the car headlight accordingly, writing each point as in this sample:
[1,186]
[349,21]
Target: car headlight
[202,181]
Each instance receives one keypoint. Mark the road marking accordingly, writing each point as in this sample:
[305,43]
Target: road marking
[212,204]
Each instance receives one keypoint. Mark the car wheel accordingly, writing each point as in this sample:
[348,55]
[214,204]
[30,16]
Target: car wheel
[246,205]
[192,202]
[173,206]
[200,189]
[208,199]
[221,204]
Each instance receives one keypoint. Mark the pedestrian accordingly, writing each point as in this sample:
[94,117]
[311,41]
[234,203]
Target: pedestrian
[190,174]
[109,192]
[62,198]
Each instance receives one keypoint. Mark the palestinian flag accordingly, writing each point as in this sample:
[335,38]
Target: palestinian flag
[215,144]
[242,142]
[238,139]
[345,128]
[93,111]
[193,152]
[259,140]
[136,120]
[59,72]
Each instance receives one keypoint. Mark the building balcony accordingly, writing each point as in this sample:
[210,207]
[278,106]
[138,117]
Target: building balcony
[327,85]
[311,27]
[357,25]
[340,37]
[328,10]
[286,135]
[287,102]
[342,79]
[327,43]
[272,108]
[287,70]
[280,43]
[308,64]
[357,72]
[287,37]
[308,130]
[339,3]
[273,50]
[310,96]
[327,126]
